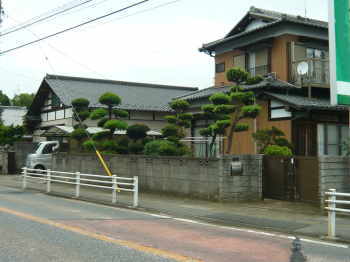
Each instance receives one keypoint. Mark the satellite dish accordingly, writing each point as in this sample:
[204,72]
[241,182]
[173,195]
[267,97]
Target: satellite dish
[302,68]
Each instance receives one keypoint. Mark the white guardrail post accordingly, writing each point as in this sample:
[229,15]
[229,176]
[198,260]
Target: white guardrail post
[331,214]
[48,181]
[24,179]
[77,184]
[114,189]
[136,191]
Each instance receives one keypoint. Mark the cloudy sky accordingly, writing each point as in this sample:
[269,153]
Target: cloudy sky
[156,42]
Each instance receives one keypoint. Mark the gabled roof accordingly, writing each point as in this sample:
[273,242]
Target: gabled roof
[302,102]
[135,96]
[207,92]
[269,18]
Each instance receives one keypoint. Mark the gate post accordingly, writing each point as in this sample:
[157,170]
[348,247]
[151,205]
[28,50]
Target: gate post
[331,214]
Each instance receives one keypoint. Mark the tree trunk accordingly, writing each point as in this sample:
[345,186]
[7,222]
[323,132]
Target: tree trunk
[110,112]
[211,145]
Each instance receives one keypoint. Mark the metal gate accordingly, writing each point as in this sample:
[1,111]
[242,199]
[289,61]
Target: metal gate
[291,178]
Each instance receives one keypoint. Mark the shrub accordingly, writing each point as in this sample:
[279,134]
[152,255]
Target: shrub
[241,127]
[115,124]
[83,115]
[251,111]
[101,135]
[136,147]
[110,145]
[179,105]
[165,148]
[237,75]
[275,150]
[89,145]
[219,99]
[98,113]
[120,113]
[79,134]
[170,131]
[168,149]
[137,131]
[254,80]
[80,103]
[110,99]
[102,122]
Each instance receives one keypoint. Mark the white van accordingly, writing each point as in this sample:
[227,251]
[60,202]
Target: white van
[41,158]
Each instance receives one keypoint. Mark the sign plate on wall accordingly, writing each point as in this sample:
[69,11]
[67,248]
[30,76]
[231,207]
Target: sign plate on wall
[339,51]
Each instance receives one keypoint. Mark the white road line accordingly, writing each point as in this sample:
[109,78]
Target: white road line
[264,233]
[212,225]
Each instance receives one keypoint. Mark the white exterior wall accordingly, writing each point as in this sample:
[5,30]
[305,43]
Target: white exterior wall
[13,115]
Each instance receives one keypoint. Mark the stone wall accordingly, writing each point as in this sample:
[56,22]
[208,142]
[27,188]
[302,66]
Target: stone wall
[191,177]
[334,173]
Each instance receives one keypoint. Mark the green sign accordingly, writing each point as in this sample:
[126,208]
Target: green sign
[339,51]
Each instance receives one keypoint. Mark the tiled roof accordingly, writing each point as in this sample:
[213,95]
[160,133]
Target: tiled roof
[203,93]
[135,96]
[302,102]
[273,19]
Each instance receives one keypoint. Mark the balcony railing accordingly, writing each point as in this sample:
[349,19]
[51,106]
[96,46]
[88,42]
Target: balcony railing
[316,76]
[259,70]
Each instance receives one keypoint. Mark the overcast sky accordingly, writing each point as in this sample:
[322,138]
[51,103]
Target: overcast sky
[145,44]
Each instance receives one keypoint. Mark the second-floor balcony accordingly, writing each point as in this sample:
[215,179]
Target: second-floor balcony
[317,72]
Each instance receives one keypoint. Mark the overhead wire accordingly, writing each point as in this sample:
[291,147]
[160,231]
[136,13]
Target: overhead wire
[27,24]
[74,27]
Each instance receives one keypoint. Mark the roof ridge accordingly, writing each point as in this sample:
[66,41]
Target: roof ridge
[99,80]
[267,12]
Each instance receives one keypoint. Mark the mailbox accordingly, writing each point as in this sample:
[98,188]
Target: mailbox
[236,167]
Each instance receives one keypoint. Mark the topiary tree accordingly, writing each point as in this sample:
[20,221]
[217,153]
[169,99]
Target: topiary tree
[80,114]
[137,132]
[109,118]
[219,114]
[268,137]
[275,150]
[243,103]
[177,123]
[164,148]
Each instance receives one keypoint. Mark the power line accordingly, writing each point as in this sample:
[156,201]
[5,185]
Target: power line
[59,52]
[73,27]
[44,18]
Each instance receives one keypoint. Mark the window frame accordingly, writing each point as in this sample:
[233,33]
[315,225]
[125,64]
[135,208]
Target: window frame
[270,109]
[217,67]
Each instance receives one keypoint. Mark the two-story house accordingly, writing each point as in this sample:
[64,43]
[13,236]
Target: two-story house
[293,52]
[51,111]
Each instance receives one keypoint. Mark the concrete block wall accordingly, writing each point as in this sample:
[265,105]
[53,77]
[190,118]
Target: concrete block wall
[3,163]
[334,173]
[191,177]
[245,186]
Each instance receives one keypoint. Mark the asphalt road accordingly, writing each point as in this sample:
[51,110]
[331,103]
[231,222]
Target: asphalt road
[38,227]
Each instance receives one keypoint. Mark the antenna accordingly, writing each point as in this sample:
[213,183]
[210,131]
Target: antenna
[305,7]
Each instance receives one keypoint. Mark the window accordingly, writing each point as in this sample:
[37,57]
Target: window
[219,68]
[278,111]
[331,138]
[239,61]
[48,149]
[55,101]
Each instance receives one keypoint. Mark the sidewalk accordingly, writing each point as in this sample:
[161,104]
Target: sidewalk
[278,216]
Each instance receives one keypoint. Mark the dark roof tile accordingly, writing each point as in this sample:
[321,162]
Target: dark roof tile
[135,96]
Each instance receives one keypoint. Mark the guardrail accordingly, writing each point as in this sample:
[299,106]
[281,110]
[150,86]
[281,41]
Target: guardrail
[332,209]
[114,183]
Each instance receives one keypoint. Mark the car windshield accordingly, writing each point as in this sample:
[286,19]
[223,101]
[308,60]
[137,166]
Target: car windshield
[36,148]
